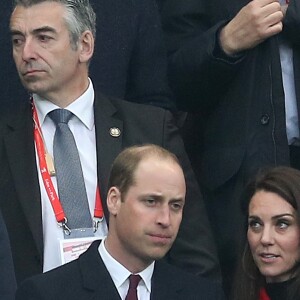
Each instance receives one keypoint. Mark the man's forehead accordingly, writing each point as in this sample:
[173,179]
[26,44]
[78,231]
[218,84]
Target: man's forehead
[45,14]
[155,161]
[155,169]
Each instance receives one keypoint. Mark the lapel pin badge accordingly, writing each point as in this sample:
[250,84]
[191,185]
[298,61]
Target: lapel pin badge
[114,132]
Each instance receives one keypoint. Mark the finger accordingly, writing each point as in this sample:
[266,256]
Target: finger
[263,3]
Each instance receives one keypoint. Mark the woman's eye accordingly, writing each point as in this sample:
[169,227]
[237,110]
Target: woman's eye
[255,225]
[282,224]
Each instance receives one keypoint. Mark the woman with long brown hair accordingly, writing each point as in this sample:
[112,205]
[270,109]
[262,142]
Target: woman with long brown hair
[269,268]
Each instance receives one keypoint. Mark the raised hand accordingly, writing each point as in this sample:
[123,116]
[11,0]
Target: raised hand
[254,23]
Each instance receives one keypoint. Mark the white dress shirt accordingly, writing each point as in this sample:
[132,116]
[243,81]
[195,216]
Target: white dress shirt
[288,81]
[83,128]
[120,274]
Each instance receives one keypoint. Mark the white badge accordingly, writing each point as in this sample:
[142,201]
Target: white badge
[70,249]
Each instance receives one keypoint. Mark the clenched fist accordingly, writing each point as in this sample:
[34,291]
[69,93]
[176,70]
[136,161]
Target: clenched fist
[254,23]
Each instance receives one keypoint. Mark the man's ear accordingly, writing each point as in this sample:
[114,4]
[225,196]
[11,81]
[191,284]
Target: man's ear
[113,200]
[86,46]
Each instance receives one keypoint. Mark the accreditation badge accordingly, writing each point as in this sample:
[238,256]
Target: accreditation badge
[70,249]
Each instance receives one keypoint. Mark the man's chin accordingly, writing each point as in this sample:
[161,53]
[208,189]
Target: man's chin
[32,87]
[160,253]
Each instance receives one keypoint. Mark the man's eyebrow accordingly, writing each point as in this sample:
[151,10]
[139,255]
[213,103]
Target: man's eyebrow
[15,32]
[152,195]
[175,199]
[34,31]
[44,29]
[159,197]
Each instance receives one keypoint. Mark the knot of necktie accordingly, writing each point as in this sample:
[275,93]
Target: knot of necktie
[133,283]
[60,116]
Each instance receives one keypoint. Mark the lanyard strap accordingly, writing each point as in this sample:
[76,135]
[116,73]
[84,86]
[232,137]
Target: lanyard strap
[49,187]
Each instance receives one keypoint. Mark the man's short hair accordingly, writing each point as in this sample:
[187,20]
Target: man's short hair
[79,18]
[124,167]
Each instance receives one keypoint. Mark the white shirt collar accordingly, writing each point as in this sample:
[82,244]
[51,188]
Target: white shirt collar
[82,107]
[119,273]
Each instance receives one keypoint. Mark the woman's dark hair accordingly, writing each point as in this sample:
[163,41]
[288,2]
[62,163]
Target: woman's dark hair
[285,182]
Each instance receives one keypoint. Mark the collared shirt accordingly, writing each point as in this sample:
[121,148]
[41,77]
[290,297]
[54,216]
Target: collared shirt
[83,128]
[288,81]
[120,274]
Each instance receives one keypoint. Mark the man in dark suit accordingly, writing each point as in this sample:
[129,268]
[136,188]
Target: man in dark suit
[8,283]
[129,50]
[52,60]
[145,201]
[236,63]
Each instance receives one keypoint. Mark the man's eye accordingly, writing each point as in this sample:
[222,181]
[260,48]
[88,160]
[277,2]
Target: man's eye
[16,41]
[44,38]
[150,201]
[176,206]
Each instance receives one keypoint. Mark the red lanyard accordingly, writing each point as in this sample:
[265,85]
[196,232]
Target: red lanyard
[53,197]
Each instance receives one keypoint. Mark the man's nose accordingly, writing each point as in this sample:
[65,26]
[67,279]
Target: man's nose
[29,50]
[163,217]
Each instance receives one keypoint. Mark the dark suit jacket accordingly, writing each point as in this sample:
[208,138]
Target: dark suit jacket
[8,283]
[20,194]
[129,60]
[88,278]
[241,100]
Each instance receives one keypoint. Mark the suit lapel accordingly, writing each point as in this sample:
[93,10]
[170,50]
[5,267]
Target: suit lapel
[95,276]
[20,148]
[164,283]
[109,137]
[21,158]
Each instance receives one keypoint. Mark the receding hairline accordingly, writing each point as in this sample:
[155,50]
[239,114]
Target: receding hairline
[30,4]
[153,153]
[123,171]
